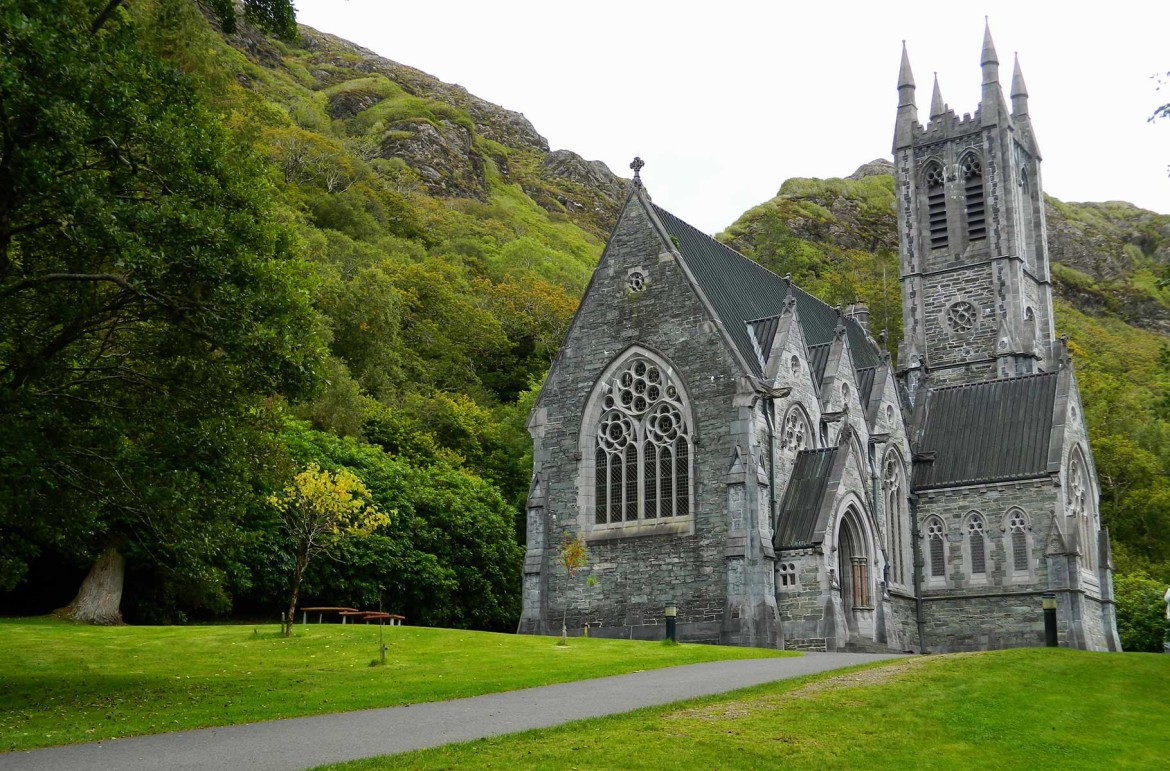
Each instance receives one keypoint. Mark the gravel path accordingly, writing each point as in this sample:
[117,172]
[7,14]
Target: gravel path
[281,745]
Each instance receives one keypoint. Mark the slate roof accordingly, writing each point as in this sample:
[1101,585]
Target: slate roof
[802,500]
[985,432]
[741,291]
[865,377]
[818,360]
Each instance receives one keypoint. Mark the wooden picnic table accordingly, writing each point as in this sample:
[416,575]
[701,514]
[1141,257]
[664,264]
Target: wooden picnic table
[321,611]
[347,613]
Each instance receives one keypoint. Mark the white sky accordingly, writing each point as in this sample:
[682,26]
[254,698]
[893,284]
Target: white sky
[725,100]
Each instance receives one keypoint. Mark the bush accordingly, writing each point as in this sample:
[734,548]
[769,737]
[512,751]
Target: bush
[1141,612]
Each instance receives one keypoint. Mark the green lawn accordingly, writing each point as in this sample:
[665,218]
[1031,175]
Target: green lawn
[63,683]
[1025,709]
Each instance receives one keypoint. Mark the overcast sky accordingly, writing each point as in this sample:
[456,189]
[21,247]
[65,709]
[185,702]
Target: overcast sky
[725,100]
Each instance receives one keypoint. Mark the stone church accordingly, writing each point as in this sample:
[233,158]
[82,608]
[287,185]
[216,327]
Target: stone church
[727,444]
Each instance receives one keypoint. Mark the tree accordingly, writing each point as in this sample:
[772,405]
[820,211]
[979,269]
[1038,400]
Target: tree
[151,304]
[1141,612]
[320,510]
[573,557]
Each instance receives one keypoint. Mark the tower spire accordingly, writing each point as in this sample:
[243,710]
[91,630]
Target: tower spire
[905,78]
[907,110]
[989,60]
[937,106]
[1019,90]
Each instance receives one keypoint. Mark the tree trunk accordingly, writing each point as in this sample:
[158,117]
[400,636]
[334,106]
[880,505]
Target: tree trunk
[99,599]
[298,574]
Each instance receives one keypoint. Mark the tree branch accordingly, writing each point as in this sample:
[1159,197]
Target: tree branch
[27,283]
[104,16]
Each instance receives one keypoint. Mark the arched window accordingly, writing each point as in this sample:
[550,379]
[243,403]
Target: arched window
[936,548]
[972,173]
[641,454]
[936,205]
[976,545]
[1017,527]
[797,434]
[1078,507]
[895,499]
[1026,220]
[853,555]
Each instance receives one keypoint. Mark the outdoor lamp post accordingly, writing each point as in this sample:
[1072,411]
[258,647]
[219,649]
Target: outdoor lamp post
[671,613]
[1049,602]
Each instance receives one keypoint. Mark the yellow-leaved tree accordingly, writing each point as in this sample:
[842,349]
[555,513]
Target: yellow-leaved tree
[319,510]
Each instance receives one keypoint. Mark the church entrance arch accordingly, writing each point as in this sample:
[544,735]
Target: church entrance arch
[855,566]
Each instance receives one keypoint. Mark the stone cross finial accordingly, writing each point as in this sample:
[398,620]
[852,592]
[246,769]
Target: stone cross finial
[637,165]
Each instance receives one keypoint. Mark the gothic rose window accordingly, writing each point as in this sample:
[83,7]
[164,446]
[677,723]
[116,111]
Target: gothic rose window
[642,450]
[796,430]
[962,316]
[636,281]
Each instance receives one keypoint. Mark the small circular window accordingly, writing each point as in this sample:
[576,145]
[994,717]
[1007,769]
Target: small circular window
[962,316]
[934,177]
[636,281]
[972,167]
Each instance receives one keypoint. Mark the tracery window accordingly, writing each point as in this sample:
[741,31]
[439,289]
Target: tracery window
[1017,528]
[977,545]
[972,172]
[797,434]
[936,206]
[962,316]
[936,542]
[787,574]
[642,451]
[1078,508]
[895,496]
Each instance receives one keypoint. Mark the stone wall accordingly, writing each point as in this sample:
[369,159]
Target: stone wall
[637,572]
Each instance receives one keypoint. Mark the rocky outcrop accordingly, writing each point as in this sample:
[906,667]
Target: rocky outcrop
[509,128]
[443,156]
[875,168]
[579,186]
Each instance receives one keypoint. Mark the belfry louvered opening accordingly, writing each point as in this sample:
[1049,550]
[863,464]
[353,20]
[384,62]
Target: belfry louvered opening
[936,206]
[973,195]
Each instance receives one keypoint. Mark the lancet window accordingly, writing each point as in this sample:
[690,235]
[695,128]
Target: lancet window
[642,451]
[1018,533]
[936,548]
[977,545]
[892,482]
[1078,507]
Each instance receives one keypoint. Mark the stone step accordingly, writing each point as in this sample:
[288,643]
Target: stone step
[868,646]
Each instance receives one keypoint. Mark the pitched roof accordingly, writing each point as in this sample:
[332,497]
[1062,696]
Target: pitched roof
[802,500]
[985,432]
[741,290]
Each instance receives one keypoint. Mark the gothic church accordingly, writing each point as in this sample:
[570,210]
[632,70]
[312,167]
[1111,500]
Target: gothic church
[730,445]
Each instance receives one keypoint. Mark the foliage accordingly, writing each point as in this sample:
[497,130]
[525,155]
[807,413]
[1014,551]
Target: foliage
[1019,709]
[320,511]
[1141,612]
[66,683]
[150,304]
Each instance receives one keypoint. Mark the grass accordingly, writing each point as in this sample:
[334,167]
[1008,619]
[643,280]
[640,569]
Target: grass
[62,683]
[1025,709]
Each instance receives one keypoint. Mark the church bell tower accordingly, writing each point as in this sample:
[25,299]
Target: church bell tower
[976,287]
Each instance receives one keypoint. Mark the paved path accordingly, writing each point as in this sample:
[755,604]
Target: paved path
[281,745]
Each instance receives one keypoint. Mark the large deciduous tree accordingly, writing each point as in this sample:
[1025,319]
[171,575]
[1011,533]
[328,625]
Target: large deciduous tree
[150,306]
